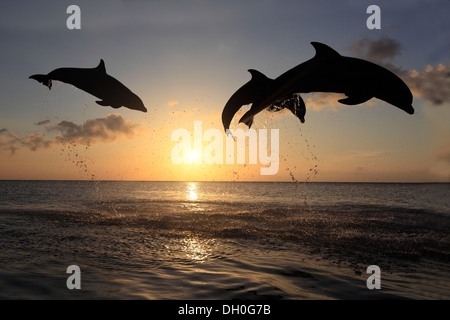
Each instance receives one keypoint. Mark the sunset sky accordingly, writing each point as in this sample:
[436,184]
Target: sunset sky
[186,58]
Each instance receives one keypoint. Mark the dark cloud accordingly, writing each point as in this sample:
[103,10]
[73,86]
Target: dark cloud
[8,141]
[105,130]
[43,122]
[377,50]
[11,142]
[35,141]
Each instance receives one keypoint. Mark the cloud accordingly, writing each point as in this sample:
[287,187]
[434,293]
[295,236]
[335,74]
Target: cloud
[432,84]
[172,103]
[41,123]
[377,50]
[322,100]
[35,141]
[105,130]
[11,142]
[8,141]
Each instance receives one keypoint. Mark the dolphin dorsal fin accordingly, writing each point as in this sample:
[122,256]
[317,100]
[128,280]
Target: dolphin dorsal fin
[101,66]
[256,75]
[324,51]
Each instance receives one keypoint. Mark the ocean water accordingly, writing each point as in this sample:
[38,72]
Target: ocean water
[223,240]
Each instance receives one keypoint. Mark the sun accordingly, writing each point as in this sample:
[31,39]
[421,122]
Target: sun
[192,156]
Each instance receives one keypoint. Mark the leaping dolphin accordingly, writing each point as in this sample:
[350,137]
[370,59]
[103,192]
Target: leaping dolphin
[327,71]
[96,82]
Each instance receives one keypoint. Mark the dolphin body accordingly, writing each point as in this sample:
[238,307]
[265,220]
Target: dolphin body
[327,71]
[96,82]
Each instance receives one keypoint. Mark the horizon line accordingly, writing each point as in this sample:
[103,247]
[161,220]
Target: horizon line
[239,181]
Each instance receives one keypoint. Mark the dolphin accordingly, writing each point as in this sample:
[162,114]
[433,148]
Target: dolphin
[327,71]
[96,82]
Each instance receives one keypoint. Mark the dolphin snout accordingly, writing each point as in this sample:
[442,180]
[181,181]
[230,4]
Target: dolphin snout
[409,110]
[140,107]
[405,107]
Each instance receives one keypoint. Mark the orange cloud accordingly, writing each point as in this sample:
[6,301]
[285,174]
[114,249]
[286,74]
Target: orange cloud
[321,100]
[172,103]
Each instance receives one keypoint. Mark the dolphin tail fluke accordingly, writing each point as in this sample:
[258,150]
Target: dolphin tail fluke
[42,78]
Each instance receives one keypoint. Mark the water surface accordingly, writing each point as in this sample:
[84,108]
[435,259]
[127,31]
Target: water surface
[223,240]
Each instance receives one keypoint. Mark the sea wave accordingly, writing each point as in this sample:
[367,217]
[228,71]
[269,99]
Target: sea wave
[347,230]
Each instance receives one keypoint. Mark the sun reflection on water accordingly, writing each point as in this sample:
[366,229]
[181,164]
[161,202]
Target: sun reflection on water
[191,191]
[197,250]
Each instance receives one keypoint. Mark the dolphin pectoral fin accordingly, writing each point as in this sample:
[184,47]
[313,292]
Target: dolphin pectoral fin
[108,104]
[103,103]
[247,119]
[355,99]
[249,122]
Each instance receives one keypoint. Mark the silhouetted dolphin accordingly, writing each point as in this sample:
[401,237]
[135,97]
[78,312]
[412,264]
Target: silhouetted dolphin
[96,82]
[327,71]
